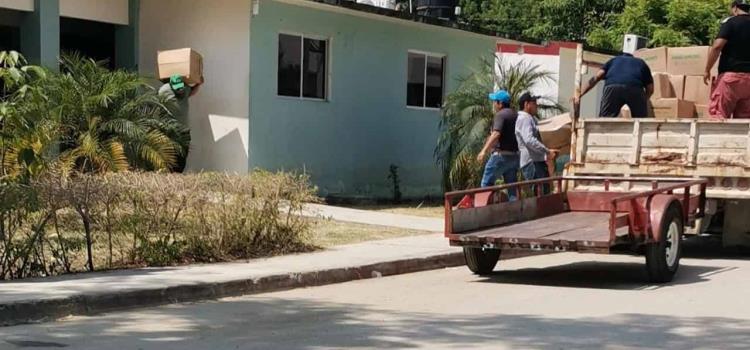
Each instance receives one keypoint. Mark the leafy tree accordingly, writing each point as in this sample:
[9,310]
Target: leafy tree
[573,20]
[113,120]
[467,116]
[601,23]
[27,129]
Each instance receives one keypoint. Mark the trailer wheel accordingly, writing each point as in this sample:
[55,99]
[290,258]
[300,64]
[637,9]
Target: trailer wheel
[481,261]
[663,257]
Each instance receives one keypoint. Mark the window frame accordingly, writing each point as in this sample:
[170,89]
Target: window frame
[302,37]
[426,54]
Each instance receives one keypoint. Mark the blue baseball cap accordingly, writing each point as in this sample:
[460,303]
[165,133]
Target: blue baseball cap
[500,96]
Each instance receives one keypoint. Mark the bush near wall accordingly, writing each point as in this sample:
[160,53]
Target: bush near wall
[63,224]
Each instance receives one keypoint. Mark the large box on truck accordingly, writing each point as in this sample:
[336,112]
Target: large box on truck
[678,85]
[697,91]
[688,60]
[186,63]
[663,86]
[673,108]
[655,58]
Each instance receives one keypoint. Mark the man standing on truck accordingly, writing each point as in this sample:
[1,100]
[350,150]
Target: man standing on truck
[730,97]
[504,159]
[534,154]
[628,82]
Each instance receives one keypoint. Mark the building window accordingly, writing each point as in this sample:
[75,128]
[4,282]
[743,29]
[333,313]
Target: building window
[303,67]
[425,80]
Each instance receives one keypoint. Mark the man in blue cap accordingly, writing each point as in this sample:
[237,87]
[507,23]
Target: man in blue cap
[504,159]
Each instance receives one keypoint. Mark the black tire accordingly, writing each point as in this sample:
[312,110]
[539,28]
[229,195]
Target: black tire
[657,259]
[481,261]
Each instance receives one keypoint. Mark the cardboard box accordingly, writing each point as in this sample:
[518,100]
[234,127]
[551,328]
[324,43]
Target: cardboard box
[697,91]
[663,86]
[702,111]
[655,58]
[187,63]
[678,85]
[556,132]
[672,108]
[688,60]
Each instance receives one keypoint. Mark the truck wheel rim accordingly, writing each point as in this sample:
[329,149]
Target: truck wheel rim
[673,244]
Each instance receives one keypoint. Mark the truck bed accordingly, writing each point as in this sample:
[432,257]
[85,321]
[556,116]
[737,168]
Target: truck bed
[696,148]
[570,231]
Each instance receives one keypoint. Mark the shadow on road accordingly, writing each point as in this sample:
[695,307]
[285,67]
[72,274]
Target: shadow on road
[269,323]
[624,275]
[601,275]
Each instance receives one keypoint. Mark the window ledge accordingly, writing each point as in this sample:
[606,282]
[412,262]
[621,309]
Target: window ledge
[424,108]
[303,99]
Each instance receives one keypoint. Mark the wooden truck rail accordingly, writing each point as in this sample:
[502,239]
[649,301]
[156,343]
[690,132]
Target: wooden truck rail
[718,151]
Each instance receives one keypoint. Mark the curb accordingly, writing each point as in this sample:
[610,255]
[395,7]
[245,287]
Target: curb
[37,311]
[86,305]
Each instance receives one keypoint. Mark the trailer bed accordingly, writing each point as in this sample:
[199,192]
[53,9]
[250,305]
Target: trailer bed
[576,231]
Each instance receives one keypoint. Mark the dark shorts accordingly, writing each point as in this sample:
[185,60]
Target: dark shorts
[617,96]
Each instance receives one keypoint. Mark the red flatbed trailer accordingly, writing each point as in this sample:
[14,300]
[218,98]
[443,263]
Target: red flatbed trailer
[653,222]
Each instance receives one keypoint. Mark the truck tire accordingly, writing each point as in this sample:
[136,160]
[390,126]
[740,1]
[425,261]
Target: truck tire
[481,261]
[663,257]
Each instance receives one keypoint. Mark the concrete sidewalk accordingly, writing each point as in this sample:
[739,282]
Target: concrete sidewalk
[48,299]
[375,218]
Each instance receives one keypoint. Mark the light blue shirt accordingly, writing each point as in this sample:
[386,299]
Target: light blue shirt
[530,144]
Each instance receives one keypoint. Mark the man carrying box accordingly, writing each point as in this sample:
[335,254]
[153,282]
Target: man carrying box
[731,90]
[628,82]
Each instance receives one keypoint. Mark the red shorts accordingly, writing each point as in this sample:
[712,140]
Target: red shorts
[730,96]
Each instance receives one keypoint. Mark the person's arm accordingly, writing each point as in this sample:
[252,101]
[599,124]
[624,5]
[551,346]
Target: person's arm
[600,75]
[491,141]
[527,136]
[713,55]
[197,87]
[650,90]
[648,80]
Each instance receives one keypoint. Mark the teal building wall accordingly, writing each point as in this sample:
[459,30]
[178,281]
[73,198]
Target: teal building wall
[348,143]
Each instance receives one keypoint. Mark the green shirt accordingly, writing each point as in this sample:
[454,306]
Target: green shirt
[182,102]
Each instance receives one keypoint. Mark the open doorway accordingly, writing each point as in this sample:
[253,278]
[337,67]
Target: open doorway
[10,30]
[89,38]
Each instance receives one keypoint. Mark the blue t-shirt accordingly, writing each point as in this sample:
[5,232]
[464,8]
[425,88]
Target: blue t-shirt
[628,70]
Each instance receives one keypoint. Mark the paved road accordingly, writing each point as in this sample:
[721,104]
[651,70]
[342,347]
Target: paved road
[576,302]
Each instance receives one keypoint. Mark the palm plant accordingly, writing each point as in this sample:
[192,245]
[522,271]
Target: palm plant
[467,116]
[27,129]
[113,120]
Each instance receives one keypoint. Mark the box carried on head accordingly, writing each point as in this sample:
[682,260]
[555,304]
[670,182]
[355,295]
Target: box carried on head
[186,63]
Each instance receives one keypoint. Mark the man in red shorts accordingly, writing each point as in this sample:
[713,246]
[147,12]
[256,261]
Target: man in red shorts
[730,96]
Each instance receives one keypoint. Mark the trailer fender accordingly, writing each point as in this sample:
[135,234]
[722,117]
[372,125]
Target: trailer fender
[657,208]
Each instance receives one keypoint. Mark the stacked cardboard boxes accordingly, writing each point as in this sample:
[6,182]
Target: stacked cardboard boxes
[678,81]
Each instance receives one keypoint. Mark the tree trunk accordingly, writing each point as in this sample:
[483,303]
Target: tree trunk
[89,241]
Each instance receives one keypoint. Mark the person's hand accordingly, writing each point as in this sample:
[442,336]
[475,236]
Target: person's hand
[553,153]
[576,100]
[482,156]
[707,78]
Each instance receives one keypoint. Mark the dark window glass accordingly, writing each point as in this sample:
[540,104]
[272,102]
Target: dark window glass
[91,39]
[290,65]
[434,94]
[315,69]
[415,81]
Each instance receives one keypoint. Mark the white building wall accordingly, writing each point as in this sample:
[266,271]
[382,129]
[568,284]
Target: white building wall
[108,11]
[219,114]
[22,5]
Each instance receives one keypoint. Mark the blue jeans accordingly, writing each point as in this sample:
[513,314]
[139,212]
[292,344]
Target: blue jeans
[536,171]
[505,166]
